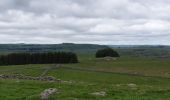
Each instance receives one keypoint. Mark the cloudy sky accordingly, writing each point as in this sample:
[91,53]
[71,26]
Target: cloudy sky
[85,21]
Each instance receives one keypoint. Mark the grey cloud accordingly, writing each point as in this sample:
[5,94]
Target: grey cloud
[85,21]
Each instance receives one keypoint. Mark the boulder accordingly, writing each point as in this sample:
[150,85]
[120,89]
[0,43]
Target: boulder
[47,92]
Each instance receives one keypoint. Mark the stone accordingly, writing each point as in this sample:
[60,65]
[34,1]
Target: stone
[47,92]
[102,93]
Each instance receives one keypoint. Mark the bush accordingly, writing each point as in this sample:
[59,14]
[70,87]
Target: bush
[107,52]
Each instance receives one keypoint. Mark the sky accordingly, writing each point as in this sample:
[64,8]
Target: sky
[113,22]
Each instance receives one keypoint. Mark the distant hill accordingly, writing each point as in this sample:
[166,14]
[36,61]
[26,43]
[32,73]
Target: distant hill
[50,47]
[158,51]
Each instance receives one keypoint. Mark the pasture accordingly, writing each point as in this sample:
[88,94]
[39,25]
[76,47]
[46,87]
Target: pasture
[127,78]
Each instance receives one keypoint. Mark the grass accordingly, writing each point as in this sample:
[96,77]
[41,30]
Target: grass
[132,65]
[30,70]
[127,78]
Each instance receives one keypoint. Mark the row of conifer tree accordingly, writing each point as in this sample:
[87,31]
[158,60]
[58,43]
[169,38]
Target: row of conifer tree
[38,58]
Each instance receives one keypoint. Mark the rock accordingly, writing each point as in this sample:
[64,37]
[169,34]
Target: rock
[50,78]
[108,58]
[58,80]
[46,93]
[132,85]
[102,93]
[68,82]
[22,77]
[118,85]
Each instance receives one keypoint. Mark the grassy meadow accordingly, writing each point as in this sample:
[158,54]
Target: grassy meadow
[127,78]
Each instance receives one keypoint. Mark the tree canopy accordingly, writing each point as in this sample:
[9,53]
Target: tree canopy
[107,52]
[38,58]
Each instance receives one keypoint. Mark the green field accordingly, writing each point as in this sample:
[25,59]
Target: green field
[127,78]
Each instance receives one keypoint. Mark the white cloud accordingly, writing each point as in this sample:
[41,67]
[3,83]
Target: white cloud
[85,21]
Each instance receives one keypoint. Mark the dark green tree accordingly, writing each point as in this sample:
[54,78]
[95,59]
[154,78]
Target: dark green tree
[107,52]
[38,58]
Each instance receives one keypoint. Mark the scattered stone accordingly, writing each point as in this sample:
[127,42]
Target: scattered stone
[166,73]
[50,78]
[1,76]
[108,58]
[102,93]
[132,85]
[22,77]
[68,82]
[17,81]
[47,92]
[118,85]
[58,80]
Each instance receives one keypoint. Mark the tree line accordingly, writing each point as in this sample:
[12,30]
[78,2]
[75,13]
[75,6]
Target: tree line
[38,58]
